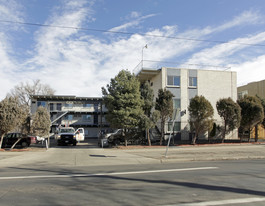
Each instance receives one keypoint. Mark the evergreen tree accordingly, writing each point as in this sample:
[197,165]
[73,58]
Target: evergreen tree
[123,101]
[230,112]
[164,104]
[201,114]
[251,112]
[149,117]
[10,116]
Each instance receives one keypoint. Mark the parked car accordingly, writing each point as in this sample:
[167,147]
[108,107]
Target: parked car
[109,137]
[33,139]
[102,139]
[40,139]
[65,136]
[10,138]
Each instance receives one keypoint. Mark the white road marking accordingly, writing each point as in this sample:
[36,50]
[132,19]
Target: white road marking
[107,174]
[224,202]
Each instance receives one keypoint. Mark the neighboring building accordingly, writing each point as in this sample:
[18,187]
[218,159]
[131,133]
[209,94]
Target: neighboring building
[86,112]
[186,84]
[254,89]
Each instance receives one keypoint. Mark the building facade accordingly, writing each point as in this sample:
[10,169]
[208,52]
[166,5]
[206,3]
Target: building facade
[254,89]
[185,84]
[86,112]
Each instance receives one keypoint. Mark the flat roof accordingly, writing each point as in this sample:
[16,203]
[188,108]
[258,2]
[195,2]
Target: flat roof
[147,73]
[65,97]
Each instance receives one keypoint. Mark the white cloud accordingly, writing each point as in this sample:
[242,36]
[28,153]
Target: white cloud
[250,71]
[76,63]
[222,54]
[10,11]
[132,23]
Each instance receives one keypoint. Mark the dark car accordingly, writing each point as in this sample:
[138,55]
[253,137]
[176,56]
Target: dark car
[10,138]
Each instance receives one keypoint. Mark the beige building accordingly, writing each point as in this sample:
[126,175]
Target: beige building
[252,89]
[186,84]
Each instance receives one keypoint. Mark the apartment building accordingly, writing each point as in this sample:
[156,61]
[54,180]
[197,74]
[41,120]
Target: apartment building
[186,84]
[86,112]
[253,89]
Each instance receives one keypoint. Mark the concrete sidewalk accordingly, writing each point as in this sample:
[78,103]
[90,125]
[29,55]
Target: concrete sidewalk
[93,156]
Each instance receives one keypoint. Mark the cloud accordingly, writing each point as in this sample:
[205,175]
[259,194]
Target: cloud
[250,71]
[223,54]
[74,62]
[133,23]
[9,10]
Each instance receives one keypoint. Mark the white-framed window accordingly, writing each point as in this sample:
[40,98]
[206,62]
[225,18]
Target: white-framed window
[176,104]
[242,94]
[41,103]
[193,82]
[86,118]
[173,81]
[176,126]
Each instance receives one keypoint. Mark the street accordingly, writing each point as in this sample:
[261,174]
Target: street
[231,182]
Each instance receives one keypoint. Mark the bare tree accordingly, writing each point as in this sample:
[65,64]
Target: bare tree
[23,91]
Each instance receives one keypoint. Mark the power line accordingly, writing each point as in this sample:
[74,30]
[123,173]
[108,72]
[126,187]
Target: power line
[129,33]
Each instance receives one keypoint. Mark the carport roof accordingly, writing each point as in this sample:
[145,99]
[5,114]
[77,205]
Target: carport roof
[63,98]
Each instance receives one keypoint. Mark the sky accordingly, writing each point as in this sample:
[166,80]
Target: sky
[77,46]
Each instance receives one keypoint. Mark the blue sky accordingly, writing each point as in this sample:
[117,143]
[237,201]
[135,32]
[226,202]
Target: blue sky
[79,62]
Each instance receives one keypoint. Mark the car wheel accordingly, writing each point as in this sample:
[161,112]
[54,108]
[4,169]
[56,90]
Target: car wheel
[24,144]
[74,144]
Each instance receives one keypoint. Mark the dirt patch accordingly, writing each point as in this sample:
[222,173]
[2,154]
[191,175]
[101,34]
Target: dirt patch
[184,145]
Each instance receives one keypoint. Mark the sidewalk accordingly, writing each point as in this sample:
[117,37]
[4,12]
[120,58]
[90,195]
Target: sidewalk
[82,155]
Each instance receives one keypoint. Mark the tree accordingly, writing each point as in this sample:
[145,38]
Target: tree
[263,105]
[251,112]
[149,117]
[230,112]
[164,104]
[23,91]
[41,122]
[201,114]
[10,116]
[123,101]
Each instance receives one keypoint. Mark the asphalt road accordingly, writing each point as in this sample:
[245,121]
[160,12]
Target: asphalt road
[233,182]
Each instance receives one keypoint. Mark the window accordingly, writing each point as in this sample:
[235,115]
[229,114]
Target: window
[59,106]
[193,81]
[87,105]
[68,105]
[41,103]
[176,103]
[86,118]
[173,81]
[176,126]
[51,106]
[69,117]
[242,94]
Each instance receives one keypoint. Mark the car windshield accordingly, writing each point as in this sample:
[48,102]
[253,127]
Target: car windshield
[67,130]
